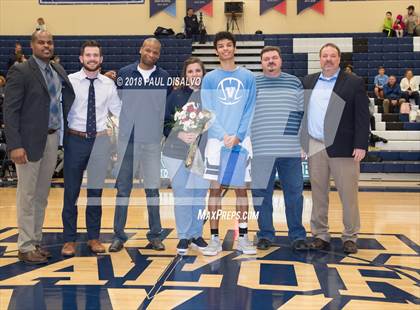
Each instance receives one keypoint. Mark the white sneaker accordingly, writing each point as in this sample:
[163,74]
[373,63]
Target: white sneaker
[246,246]
[214,247]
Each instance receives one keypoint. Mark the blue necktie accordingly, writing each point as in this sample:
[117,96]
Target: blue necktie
[91,111]
[54,121]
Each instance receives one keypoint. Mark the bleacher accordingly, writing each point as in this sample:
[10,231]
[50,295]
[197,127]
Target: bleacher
[118,51]
[365,51]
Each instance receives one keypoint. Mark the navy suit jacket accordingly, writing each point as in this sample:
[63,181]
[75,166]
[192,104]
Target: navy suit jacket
[346,124]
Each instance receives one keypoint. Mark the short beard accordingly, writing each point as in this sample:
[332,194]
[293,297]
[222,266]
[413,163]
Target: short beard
[91,70]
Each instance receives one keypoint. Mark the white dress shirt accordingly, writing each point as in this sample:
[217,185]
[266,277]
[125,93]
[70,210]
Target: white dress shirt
[106,100]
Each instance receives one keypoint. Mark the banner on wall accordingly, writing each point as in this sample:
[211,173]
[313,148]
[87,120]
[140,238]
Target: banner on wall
[91,1]
[278,5]
[316,5]
[206,6]
[168,6]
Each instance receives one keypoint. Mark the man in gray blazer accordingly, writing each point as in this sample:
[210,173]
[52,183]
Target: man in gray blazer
[37,95]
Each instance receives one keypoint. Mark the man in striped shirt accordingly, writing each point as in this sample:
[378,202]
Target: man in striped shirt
[276,148]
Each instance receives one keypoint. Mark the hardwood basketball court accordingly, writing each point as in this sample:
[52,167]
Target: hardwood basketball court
[384,274]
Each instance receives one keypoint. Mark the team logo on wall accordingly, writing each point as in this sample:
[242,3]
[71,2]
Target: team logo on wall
[277,5]
[230,91]
[205,6]
[316,5]
[384,274]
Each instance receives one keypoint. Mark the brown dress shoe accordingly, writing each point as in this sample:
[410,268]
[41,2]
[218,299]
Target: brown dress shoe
[32,258]
[319,244]
[349,247]
[96,246]
[43,251]
[69,249]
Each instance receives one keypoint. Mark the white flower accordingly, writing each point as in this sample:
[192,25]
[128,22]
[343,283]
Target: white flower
[193,115]
[200,115]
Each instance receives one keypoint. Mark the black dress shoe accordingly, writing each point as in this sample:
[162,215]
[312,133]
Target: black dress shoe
[263,244]
[349,247]
[157,244]
[300,245]
[319,244]
[116,246]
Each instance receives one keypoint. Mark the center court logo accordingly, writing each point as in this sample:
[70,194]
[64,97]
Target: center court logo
[230,91]
[384,273]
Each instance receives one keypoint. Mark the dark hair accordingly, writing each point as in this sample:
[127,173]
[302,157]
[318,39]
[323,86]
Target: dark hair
[330,45]
[390,13]
[190,61]
[190,9]
[18,43]
[407,70]
[381,67]
[270,49]
[90,43]
[223,35]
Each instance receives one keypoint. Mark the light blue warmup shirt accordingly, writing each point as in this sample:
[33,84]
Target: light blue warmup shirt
[230,96]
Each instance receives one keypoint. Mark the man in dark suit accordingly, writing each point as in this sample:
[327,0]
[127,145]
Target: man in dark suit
[335,134]
[37,95]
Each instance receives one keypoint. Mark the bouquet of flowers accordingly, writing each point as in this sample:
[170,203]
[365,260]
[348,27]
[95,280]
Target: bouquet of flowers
[193,120]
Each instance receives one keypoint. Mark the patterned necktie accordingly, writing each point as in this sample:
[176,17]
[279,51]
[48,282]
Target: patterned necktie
[55,121]
[91,111]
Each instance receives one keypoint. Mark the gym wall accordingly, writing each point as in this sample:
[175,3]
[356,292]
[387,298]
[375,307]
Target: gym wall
[18,17]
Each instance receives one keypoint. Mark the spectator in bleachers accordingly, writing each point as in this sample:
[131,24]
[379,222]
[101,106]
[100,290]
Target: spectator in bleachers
[191,23]
[380,80]
[2,88]
[399,26]
[392,96]
[387,25]
[349,69]
[55,59]
[20,58]
[40,24]
[12,58]
[410,87]
[411,20]
[111,74]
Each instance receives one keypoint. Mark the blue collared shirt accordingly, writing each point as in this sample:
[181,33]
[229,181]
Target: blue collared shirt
[318,104]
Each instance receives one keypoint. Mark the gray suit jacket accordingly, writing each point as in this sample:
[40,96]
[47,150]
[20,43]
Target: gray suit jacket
[27,107]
